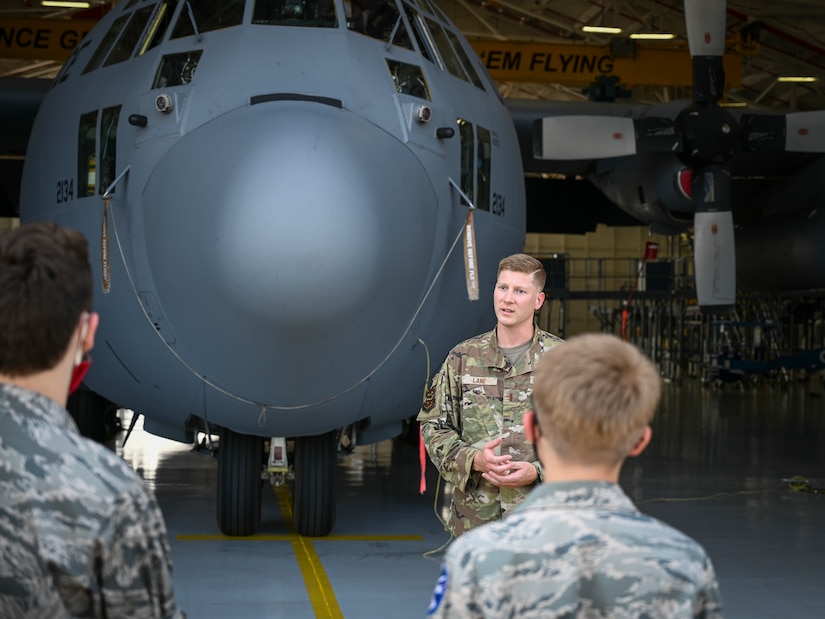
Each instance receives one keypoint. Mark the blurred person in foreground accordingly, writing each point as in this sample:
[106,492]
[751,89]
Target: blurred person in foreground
[80,533]
[577,546]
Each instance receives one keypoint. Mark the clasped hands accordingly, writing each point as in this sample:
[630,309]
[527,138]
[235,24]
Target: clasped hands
[503,471]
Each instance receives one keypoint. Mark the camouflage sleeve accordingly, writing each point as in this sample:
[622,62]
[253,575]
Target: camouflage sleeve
[711,606]
[440,419]
[449,600]
[134,569]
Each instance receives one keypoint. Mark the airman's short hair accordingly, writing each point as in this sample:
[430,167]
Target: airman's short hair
[45,286]
[593,397]
[522,263]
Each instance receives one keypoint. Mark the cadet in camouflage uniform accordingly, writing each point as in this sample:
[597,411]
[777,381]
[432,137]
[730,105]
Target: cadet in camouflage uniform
[471,420]
[577,546]
[80,533]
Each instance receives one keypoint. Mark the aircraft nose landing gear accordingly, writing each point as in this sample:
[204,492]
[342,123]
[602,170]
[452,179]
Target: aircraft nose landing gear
[240,472]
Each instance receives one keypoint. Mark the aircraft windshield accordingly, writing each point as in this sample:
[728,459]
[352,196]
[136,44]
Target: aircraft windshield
[379,19]
[309,13]
[204,15]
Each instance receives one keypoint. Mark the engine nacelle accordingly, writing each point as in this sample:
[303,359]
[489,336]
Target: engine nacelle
[651,188]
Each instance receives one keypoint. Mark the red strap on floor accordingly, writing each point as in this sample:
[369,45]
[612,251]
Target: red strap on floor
[422,460]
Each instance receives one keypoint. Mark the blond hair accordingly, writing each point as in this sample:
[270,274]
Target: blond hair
[593,397]
[522,263]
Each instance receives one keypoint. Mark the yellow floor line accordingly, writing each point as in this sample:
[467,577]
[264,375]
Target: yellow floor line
[319,589]
[290,537]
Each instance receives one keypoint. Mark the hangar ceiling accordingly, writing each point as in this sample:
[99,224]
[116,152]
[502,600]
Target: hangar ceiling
[790,36]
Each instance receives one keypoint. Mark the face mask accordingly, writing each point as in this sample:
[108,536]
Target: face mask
[79,373]
[81,365]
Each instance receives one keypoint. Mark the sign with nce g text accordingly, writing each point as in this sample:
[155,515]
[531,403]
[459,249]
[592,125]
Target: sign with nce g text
[41,39]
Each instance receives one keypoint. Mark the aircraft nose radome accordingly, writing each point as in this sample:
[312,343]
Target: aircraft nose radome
[288,226]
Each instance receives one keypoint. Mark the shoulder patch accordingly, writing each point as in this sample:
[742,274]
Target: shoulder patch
[438,592]
[429,400]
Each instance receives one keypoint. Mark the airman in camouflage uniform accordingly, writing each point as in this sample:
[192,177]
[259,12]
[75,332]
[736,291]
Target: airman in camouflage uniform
[81,535]
[577,546]
[476,402]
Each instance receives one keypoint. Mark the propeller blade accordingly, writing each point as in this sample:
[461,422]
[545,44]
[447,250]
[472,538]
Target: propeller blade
[585,137]
[805,132]
[763,133]
[714,248]
[705,21]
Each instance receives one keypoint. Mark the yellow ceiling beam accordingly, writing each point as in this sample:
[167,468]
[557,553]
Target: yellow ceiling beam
[41,39]
[579,64]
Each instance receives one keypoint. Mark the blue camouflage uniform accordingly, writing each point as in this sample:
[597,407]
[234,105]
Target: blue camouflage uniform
[576,549]
[80,533]
[477,396]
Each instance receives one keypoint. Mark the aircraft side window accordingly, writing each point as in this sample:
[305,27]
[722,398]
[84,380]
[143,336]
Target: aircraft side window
[86,151]
[158,26]
[379,19]
[436,10]
[105,43]
[69,64]
[308,13]
[408,79]
[483,169]
[206,15]
[421,33]
[176,69]
[107,170]
[466,134]
[449,57]
[475,163]
[129,37]
[465,60]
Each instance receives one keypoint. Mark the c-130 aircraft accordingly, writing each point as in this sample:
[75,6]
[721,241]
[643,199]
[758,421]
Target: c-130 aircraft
[280,190]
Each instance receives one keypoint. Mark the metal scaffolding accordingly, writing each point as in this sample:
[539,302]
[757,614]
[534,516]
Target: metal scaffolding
[652,303]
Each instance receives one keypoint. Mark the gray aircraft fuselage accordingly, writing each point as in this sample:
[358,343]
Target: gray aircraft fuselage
[278,216]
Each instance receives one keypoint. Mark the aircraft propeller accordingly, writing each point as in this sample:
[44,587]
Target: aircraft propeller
[705,137]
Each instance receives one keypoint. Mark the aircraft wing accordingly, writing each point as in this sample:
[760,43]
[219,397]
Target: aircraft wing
[19,101]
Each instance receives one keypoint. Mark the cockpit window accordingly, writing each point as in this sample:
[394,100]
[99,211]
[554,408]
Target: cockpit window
[157,28]
[129,37]
[449,57]
[177,69]
[420,32]
[86,147]
[408,79]
[106,43]
[465,60]
[475,163]
[309,13]
[107,167]
[198,16]
[379,19]
[432,8]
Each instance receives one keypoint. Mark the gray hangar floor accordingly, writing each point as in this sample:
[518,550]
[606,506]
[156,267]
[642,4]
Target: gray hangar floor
[734,468]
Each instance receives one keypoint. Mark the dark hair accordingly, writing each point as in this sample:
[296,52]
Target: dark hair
[45,286]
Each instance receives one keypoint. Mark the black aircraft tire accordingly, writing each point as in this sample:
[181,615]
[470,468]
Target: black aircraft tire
[240,457]
[313,501]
